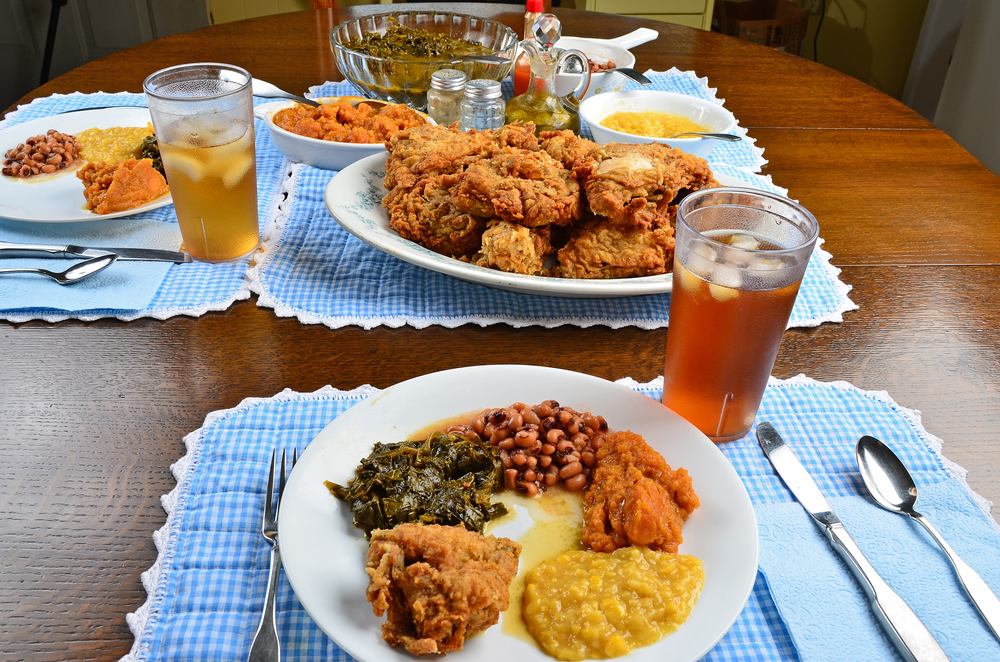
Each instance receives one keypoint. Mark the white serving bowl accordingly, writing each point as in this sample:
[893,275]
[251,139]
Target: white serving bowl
[324,154]
[709,113]
[602,51]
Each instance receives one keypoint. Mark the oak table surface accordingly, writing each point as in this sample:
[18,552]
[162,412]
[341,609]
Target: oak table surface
[93,414]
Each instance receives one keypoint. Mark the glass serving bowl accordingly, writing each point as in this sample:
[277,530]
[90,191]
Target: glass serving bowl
[407,81]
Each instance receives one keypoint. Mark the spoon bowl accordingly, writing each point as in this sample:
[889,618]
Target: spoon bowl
[892,487]
[75,273]
[262,88]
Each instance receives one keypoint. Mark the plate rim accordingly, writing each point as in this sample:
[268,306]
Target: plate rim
[741,507]
[11,213]
[336,196]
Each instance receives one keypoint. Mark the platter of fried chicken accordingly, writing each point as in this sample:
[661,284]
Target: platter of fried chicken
[552,214]
[420,588]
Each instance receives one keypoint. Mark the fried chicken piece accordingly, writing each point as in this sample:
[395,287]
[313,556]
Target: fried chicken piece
[635,498]
[522,186]
[514,248]
[566,147]
[637,183]
[434,150]
[427,215]
[120,186]
[601,248]
[439,584]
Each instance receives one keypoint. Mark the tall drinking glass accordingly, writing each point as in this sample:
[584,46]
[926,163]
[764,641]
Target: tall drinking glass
[203,117]
[739,260]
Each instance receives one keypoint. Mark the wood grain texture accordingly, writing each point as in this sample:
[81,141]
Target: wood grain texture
[95,413]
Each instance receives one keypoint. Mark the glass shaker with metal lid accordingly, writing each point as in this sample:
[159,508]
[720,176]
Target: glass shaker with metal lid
[444,98]
[482,107]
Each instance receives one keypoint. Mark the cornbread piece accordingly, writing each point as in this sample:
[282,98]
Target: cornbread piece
[635,498]
[121,186]
[439,584]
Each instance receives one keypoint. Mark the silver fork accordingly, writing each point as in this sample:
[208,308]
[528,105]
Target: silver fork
[265,646]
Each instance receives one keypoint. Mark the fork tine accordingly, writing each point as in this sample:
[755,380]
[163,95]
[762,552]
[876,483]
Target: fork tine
[270,490]
[281,483]
[284,478]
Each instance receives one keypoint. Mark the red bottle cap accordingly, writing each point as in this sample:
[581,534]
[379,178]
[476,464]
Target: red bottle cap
[535,6]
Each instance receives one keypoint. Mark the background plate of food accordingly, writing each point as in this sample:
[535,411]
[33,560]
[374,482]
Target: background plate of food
[59,197]
[354,197]
[324,555]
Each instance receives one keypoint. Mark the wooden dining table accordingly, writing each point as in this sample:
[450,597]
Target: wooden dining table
[92,414]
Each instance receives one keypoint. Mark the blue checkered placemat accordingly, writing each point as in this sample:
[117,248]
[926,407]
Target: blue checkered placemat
[207,586]
[316,271]
[187,289]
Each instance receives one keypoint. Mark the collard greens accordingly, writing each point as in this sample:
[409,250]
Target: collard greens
[445,479]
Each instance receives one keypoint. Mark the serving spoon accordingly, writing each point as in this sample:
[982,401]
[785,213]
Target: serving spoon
[574,67]
[728,137]
[75,273]
[892,487]
[262,88]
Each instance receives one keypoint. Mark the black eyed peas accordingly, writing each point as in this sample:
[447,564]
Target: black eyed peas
[541,445]
[41,155]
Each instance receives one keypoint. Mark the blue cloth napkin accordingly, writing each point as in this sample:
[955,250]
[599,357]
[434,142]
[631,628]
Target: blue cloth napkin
[816,594]
[207,586]
[125,285]
[127,290]
[316,271]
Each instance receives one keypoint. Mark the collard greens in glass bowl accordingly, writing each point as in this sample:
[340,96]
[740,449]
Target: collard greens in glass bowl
[404,77]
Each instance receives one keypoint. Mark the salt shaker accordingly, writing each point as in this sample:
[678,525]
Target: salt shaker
[482,108]
[444,99]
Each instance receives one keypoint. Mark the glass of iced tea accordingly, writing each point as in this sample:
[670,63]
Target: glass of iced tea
[739,260]
[203,118]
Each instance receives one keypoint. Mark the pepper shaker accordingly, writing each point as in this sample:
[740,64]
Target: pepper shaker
[444,99]
[482,108]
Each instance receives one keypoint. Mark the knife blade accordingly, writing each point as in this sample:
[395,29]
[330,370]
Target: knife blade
[908,634]
[44,250]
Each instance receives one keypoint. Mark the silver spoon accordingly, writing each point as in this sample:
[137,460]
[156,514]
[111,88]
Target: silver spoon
[264,89]
[728,137]
[77,272]
[574,67]
[892,487]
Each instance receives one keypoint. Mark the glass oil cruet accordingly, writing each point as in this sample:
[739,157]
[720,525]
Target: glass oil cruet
[540,103]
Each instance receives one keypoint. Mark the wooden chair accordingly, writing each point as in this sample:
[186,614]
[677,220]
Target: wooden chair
[324,4]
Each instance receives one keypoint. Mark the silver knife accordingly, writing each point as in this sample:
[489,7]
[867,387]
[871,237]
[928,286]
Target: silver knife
[44,250]
[908,634]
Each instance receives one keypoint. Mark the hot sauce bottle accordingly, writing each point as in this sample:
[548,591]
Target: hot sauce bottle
[522,67]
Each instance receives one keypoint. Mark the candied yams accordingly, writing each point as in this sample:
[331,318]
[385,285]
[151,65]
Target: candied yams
[440,584]
[635,498]
[120,186]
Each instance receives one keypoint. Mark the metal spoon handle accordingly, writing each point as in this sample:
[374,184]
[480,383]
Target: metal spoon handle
[728,137]
[633,74]
[984,599]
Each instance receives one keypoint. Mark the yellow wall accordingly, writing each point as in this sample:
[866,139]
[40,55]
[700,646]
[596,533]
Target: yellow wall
[226,11]
[871,40]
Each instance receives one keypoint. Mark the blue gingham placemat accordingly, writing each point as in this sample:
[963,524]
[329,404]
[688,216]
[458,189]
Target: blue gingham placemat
[318,272]
[187,289]
[207,586]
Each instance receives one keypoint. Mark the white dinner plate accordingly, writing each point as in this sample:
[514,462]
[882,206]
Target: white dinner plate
[59,199]
[324,555]
[354,199]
